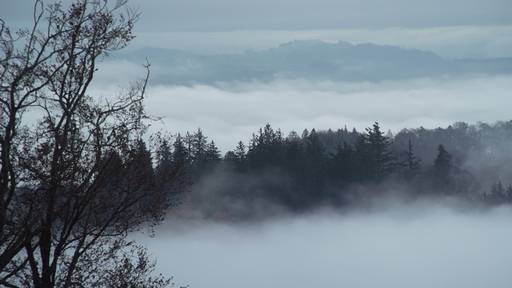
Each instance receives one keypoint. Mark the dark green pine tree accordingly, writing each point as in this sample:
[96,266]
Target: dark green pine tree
[314,161]
[498,193]
[165,174]
[140,167]
[363,165]
[188,143]
[180,156]
[240,151]
[412,163]
[240,157]
[180,166]
[342,164]
[381,160]
[212,152]
[508,193]
[212,157]
[253,144]
[443,167]
[114,170]
[199,144]
[313,146]
[293,154]
[266,148]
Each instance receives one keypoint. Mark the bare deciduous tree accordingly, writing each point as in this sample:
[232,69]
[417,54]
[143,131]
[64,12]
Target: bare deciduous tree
[64,203]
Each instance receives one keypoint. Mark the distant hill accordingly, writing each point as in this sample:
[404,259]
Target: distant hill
[315,60]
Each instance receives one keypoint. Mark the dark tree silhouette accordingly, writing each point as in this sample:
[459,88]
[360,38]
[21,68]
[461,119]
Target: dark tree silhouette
[443,168]
[410,164]
[240,152]
[300,173]
[62,193]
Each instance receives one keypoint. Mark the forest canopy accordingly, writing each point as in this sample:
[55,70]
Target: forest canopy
[337,168]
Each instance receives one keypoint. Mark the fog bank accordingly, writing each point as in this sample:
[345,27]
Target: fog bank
[231,113]
[450,41]
[401,246]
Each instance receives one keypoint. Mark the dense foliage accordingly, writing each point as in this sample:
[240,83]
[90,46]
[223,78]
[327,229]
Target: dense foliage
[339,168]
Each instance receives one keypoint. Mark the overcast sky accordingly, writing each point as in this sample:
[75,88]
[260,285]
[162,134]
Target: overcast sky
[208,15]
[454,28]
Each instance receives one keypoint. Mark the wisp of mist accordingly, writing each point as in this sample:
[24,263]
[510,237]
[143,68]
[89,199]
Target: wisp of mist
[308,104]
[401,245]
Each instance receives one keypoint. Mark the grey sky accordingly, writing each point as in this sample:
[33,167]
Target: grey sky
[208,15]
[221,15]
[455,28]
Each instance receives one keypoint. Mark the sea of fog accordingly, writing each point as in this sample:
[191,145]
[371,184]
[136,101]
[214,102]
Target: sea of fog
[233,111]
[400,246]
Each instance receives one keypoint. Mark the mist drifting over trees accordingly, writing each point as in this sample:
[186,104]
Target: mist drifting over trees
[99,178]
[336,168]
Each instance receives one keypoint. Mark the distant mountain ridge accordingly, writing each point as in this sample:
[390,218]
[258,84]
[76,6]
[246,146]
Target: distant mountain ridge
[310,59]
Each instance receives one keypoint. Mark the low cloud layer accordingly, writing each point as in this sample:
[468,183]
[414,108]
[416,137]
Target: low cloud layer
[401,246]
[232,113]
[449,41]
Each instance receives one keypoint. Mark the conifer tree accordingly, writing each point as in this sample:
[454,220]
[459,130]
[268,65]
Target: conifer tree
[198,146]
[442,168]
[343,164]
[380,160]
[140,166]
[508,193]
[212,152]
[443,162]
[165,172]
[180,154]
[411,163]
[240,151]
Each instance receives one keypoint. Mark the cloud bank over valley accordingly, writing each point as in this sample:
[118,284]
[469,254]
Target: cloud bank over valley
[423,245]
[234,112]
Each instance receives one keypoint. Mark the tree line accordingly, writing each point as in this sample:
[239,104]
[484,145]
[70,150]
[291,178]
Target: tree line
[335,168]
[316,175]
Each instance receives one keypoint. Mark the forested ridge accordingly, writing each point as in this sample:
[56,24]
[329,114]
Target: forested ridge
[339,168]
